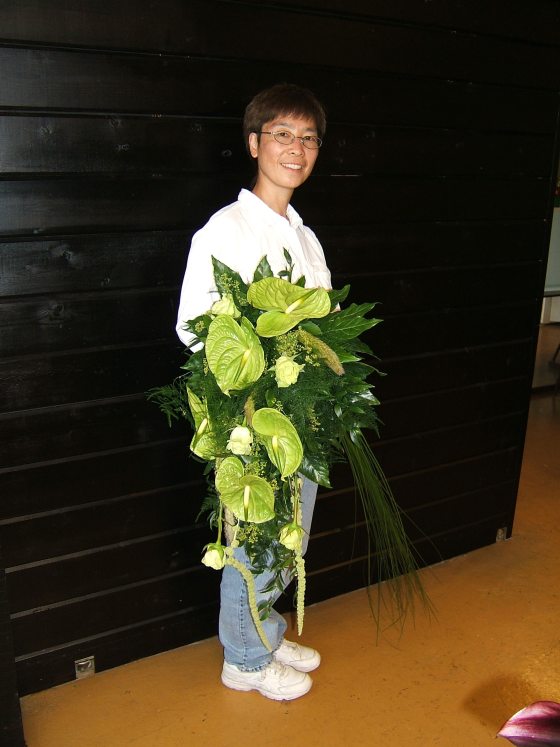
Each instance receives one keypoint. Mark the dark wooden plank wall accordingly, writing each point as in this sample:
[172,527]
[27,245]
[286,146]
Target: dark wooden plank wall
[119,135]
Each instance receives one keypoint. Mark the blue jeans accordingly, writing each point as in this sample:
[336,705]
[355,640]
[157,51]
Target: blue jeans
[242,644]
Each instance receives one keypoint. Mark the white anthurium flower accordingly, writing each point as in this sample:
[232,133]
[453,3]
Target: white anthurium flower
[225,306]
[240,440]
[214,557]
[286,370]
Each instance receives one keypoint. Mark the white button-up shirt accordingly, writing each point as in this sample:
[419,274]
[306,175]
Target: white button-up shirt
[240,235]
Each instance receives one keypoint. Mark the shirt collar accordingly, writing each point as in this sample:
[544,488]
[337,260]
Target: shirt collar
[256,205]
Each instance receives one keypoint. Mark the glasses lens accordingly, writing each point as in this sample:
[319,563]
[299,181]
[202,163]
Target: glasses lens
[311,142]
[283,137]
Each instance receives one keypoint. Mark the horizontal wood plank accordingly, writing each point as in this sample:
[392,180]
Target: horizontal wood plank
[166,145]
[120,84]
[60,24]
[62,432]
[120,608]
[91,263]
[262,29]
[443,409]
[50,324]
[538,23]
[450,329]
[78,574]
[73,205]
[137,470]
[149,259]
[463,366]
[403,245]
[108,523]
[44,325]
[464,287]
[87,375]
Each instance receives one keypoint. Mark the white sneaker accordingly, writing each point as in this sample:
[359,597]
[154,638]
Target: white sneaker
[302,658]
[275,681]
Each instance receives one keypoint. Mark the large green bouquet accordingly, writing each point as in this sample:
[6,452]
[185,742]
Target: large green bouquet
[277,390]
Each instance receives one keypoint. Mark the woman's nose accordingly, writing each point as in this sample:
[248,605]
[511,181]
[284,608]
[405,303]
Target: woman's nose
[296,146]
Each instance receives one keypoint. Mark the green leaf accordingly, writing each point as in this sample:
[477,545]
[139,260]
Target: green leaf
[285,305]
[249,497]
[263,270]
[345,357]
[234,353]
[312,328]
[203,443]
[229,281]
[280,438]
[317,470]
[349,323]
[338,296]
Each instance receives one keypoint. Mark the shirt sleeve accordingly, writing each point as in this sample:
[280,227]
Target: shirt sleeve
[320,273]
[198,291]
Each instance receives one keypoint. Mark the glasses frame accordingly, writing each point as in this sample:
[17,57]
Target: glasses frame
[305,139]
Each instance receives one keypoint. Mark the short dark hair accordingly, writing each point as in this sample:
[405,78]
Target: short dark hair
[283,98]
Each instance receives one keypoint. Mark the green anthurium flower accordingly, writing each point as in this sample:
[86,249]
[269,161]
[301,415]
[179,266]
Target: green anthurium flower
[203,443]
[285,305]
[249,497]
[280,438]
[234,353]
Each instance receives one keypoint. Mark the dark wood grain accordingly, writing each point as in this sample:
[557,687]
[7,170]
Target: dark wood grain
[230,30]
[39,670]
[86,263]
[103,204]
[134,84]
[171,145]
[146,469]
[126,28]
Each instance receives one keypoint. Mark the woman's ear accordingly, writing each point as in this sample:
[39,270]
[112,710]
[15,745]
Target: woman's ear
[253,144]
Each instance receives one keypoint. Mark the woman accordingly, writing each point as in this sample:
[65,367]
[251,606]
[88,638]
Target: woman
[283,127]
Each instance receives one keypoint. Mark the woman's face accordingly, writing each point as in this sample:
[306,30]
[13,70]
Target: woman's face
[283,167]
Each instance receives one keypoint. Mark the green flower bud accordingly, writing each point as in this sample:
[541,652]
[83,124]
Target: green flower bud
[291,536]
[286,370]
[214,557]
[225,306]
[240,440]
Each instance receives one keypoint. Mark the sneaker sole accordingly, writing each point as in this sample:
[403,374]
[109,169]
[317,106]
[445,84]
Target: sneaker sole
[244,687]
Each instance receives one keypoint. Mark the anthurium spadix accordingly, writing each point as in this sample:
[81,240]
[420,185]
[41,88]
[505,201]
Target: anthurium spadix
[537,725]
[280,438]
[285,305]
[248,497]
[234,353]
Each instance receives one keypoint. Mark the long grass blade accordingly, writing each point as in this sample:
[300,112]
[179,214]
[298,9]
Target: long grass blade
[388,544]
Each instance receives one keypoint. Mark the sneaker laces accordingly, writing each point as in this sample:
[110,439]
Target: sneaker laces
[276,668]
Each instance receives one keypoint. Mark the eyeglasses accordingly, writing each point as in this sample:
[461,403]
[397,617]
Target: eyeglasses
[287,138]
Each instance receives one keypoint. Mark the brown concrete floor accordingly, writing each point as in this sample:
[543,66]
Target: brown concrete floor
[494,648]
